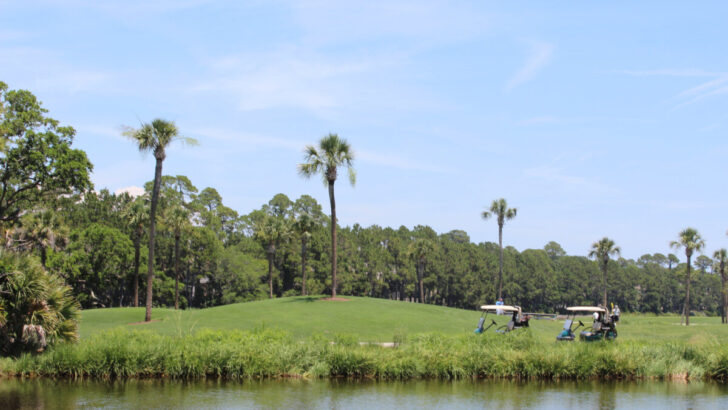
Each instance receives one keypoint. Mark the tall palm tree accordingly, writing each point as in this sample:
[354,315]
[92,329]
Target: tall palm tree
[499,208]
[419,250]
[137,215]
[332,152]
[155,137]
[689,239]
[721,255]
[178,220]
[270,232]
[601,251]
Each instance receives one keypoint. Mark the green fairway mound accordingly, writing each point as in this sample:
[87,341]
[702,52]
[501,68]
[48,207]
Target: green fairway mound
[373,320]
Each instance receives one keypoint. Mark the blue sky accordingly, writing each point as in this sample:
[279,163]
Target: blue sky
[592,118]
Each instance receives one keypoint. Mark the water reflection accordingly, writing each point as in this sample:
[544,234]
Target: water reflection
[346,394]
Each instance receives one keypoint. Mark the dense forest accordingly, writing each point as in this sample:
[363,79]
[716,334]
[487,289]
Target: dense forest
[93,245]
[223,259]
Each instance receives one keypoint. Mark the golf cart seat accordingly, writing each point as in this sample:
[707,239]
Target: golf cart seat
[566,335]
[507,328]
[568,323]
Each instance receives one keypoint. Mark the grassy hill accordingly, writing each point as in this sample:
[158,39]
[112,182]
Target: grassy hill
[369,320]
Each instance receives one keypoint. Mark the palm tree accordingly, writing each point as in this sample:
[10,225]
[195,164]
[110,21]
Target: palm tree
[41,231]
[270,232]
[499,208]
[721,255]
[178,219]
[672,260]
[155,137]
[601,251]
[136,214]
[690,240]
[332,152]
[37,308]
[419,250]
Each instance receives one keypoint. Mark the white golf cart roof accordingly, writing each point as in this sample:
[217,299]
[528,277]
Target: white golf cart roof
[586,309]
[504,308]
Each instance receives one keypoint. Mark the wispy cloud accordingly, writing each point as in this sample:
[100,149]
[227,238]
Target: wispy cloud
[292,77]
[539,56]
[244,139]
[555,174]
[399,162]
[46,71]
[716,85]
[262,141]
[558,174]
[670,72]
[557,120]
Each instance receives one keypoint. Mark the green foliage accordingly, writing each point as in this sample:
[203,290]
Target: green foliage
[37,163]
[266,353]
[97,265]
[36,308]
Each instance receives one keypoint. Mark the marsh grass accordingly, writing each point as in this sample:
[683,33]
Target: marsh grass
[271,353]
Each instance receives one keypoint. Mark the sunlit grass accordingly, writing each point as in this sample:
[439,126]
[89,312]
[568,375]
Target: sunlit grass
[370,319]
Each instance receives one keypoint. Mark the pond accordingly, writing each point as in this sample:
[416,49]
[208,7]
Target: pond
[343,394]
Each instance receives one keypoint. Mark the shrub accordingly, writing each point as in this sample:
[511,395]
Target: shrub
[36,308]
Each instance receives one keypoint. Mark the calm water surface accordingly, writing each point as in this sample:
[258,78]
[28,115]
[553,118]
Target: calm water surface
[48,394]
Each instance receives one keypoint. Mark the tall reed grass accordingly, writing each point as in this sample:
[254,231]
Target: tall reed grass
[266,353]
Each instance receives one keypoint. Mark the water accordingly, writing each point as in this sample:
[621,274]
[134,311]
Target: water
[341,394]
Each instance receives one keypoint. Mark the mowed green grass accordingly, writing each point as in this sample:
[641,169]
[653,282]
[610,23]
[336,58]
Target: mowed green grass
[372,320]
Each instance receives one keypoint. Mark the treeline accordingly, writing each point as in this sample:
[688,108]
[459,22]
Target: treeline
[223,257]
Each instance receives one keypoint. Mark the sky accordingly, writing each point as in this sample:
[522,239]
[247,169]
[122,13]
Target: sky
[593,119]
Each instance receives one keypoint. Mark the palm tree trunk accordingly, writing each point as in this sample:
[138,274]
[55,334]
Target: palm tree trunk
[687,295]
[500,261]
[176,271]
[137,245]
[724,313]
[43,256]
[605,265]
[420,268]
[270,275]
[333,238]
[152,229]
[303,266]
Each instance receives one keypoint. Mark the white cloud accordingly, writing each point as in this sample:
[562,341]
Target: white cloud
[134,191]
[539,56]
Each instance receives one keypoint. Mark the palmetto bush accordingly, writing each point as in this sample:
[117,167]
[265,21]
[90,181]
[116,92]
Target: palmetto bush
[37,308]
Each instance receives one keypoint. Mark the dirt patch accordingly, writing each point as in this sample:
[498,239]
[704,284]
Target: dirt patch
[336,299]
[143,323]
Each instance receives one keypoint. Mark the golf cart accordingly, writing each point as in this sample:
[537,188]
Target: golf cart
[603,327]
[517,318]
